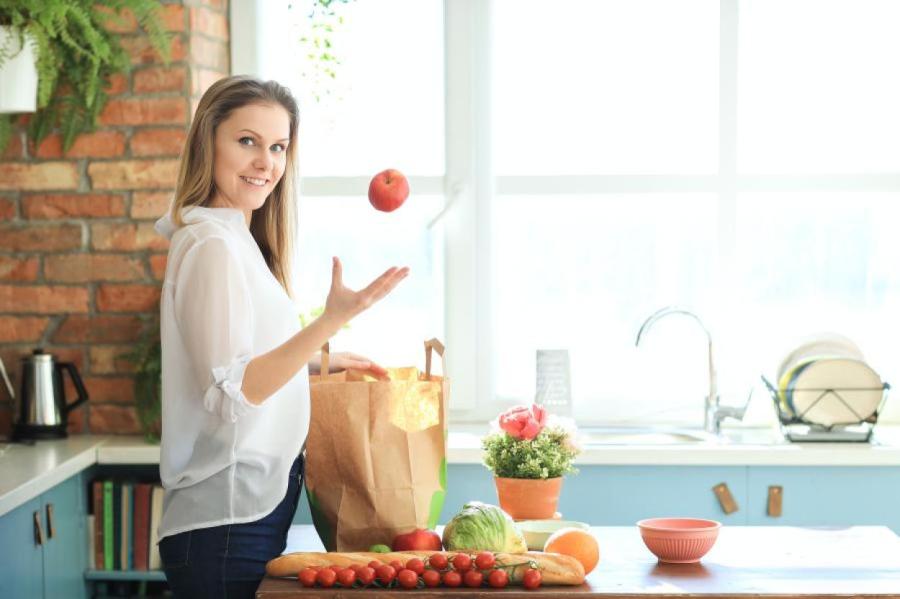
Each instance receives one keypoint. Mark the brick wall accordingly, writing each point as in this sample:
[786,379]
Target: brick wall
[80,264]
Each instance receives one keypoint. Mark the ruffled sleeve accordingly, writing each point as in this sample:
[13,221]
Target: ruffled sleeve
[213,311]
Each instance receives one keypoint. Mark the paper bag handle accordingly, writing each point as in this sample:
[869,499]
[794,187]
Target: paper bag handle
[439,348]
[323,367]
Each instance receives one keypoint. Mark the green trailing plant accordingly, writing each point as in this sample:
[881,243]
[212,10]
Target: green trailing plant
[321,59]
[146,356]
[76,55]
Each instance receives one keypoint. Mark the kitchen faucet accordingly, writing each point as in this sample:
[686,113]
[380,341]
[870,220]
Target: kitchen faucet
[713,413]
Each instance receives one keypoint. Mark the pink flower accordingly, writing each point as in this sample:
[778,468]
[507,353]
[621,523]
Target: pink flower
[523,423]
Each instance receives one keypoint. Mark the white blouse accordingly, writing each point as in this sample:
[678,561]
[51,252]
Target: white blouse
[223,459]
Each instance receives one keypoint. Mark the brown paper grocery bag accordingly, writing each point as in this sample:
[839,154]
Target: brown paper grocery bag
[376,453]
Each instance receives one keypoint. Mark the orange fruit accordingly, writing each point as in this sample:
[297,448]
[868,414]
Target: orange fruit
[577,543]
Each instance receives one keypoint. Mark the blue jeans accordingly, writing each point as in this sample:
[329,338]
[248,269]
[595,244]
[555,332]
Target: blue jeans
[229,561]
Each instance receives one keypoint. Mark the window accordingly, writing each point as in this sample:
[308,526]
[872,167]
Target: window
[574,168]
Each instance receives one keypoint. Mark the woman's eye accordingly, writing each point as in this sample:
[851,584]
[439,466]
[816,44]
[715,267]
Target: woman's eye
[278,148]
[246,141]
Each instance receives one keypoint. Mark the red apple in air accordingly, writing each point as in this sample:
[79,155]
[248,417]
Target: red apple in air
[417,540]
[388,190]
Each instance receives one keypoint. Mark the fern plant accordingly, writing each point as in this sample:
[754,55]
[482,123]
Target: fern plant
[76,55]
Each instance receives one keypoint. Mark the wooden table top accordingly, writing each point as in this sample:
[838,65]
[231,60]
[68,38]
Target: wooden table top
[747,561]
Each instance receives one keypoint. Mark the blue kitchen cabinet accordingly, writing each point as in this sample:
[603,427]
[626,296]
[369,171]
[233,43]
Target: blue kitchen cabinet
[21,557]
[50,567]
[622,495]
[65,555]
[826,496]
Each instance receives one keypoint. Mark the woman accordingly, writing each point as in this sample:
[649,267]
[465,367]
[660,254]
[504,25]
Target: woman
[235,391]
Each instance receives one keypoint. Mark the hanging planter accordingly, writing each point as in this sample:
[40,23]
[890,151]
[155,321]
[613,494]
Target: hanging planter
[18,71]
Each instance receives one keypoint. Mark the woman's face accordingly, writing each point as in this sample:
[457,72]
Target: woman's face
[250,154]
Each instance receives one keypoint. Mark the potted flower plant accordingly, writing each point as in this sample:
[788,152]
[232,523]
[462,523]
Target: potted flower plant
[529,452]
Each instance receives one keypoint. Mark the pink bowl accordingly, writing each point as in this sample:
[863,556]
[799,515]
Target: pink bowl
[679,540]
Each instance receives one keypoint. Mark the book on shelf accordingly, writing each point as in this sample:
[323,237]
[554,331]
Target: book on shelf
[122,525]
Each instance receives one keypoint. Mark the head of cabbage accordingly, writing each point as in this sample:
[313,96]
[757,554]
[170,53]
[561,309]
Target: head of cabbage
[483,527]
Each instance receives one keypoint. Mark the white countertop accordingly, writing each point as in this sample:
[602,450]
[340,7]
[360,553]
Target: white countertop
[27,471]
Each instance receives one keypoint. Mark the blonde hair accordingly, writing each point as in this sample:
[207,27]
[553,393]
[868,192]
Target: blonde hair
[272,225]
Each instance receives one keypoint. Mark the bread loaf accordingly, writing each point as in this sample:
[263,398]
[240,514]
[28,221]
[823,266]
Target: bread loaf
[555,568]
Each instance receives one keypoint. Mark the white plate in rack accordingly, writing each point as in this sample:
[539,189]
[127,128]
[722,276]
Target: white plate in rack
[836,391]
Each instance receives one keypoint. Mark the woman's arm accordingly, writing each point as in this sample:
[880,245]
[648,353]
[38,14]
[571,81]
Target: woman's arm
[268,372]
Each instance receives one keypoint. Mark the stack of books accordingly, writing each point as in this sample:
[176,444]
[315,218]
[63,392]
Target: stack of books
[122,525]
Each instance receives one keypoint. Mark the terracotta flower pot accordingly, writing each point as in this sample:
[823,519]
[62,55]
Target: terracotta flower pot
[528,498]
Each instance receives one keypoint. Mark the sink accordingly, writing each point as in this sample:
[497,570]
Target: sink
[594,436]
[649,436]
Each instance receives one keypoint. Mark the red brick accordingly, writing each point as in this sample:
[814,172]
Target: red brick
[18,176]
[42,299]
[116,84]
[160,79]
[100,144]
[127,298]
[44,238]
[122,21]
[108,359]
[145,111]
[141,52]
[81,268]
[210,54]
[158,142]
[134,174]
[202,79]
[127,237]
[72,205]
[13,149]
[18,269]
[158,266]
[118,389]
[209,23]
[79,328]
[22,329]
[107,419]
[173,17]
[150,204]
[7,209]
[77,418]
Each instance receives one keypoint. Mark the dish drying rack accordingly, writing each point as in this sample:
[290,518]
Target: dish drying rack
[797,429]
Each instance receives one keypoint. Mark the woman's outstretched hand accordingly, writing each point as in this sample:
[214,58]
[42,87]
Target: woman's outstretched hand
[344,303]
[339,361]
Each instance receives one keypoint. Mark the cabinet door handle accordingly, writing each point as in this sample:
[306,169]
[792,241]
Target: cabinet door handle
[38,530]
[776,493]
[726,499]
[51,529]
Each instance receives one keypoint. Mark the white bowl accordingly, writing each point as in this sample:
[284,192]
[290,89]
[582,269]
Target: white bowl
[537,532]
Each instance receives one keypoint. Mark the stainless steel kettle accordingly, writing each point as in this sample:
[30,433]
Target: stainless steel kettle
[42,408]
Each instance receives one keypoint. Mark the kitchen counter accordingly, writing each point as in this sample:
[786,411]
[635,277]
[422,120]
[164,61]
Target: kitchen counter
[747,561]
[26,471]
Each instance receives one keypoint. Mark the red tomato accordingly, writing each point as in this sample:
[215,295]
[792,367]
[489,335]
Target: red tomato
[397,565]
[346,577]
[374,564]
[532,579]
[336,568]
[385,573]
[498,579]
[307,577]
[462,562]
[431,578]
[407,578]
[473,578]
[452,578]
[366,575]
[484,560]
[416,565]
[354,567]
[326,577]
[438,561]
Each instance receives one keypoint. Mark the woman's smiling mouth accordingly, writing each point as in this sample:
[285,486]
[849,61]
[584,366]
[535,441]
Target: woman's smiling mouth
[254,181]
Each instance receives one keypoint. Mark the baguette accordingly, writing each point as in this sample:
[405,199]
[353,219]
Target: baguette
[556,569]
